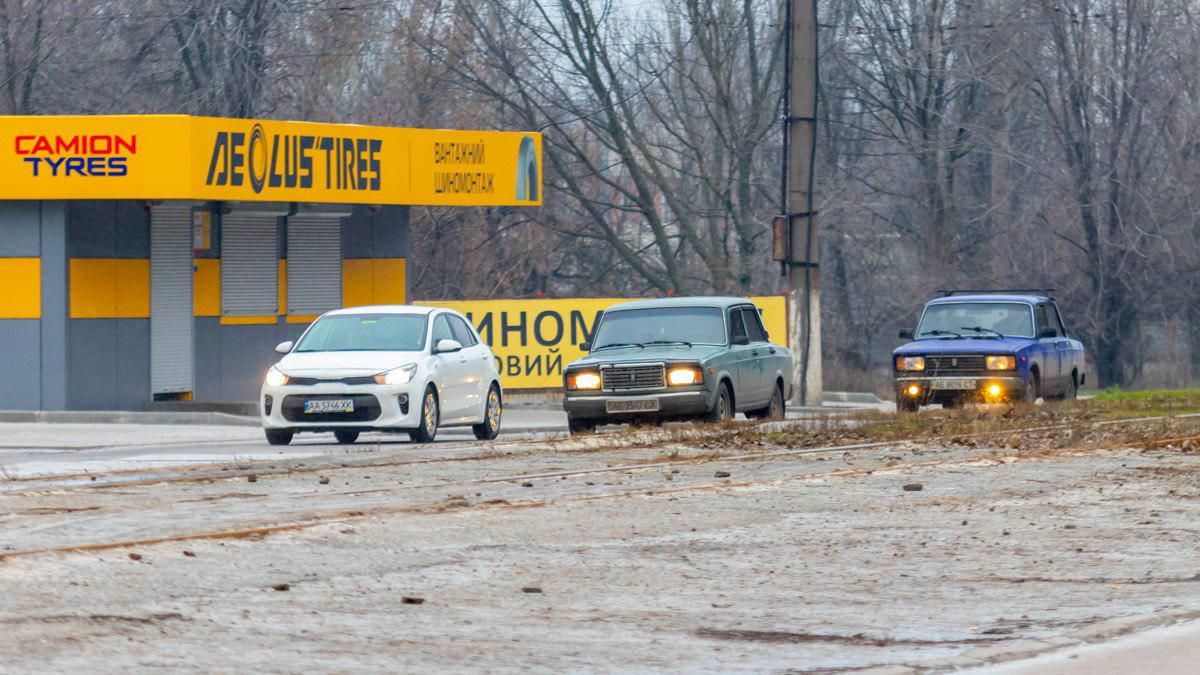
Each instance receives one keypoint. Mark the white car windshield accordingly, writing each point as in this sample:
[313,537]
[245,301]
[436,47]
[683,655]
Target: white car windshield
[365,333]
[976,319]
[660,325]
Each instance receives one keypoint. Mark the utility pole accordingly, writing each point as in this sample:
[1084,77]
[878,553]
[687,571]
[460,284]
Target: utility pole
[796,232]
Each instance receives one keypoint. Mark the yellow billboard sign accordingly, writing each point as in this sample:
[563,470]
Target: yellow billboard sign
[533,340]
[157,157]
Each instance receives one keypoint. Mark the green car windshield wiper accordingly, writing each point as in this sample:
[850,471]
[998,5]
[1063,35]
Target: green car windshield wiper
[981,329]
[943,332]
[668,342]
[618,344]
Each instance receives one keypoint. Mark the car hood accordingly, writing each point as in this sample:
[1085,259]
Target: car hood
[653,353]
[972,345]
[344,364]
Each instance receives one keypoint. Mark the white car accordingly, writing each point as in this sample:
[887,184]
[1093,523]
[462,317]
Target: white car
[388,368]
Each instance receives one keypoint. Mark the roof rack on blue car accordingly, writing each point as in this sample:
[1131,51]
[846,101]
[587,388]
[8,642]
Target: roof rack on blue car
[946,292]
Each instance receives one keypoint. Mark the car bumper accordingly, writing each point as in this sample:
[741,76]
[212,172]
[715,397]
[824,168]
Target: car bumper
[984,387]
[377,406]
[670,404]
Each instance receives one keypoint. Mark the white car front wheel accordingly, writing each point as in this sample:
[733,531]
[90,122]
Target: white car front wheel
[430,413]
[490,427]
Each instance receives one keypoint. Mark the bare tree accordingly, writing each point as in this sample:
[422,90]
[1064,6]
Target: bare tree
[657,125]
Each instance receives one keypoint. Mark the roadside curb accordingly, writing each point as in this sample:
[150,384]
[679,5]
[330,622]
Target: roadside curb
[126,417]
[191,418]
[1027,648]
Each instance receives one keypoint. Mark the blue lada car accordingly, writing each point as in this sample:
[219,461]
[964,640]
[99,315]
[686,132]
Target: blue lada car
[987,346]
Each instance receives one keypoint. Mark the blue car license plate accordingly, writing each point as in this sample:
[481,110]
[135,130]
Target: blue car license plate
[338,405]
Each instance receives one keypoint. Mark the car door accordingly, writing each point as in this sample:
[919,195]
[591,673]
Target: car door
[450,373]
[475,359]
[739,359]
[1048,346]
[761,358]
[1068,352]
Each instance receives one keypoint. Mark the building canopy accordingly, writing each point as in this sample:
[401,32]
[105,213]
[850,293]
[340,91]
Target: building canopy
[164,157]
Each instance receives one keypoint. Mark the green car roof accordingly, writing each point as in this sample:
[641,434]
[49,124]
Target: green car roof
[702,301]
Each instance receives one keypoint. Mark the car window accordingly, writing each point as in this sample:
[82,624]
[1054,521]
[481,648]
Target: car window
[462,333]
[1043,321]
[948,319]
[365,333]
[754,327]
[1062,330]
[441,330]
[737,325]
[659,325]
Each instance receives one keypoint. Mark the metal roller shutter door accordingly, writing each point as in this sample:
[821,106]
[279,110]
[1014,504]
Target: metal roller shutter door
[314,268]
[171,322]
[249,264]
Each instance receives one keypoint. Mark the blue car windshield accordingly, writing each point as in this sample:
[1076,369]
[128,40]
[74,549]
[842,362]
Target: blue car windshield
[694,325]
[365,333]
[976,319]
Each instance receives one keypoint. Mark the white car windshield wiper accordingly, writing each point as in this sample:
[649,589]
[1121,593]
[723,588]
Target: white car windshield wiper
[618,344]
[668,342]
[981,329]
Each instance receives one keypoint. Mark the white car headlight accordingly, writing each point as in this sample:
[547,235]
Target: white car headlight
[401,375]
[276,378]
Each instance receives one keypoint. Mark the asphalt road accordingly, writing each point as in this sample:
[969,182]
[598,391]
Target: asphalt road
[55,448]
[29,449]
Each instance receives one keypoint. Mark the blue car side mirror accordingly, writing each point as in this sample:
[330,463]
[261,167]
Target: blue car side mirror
[906,334]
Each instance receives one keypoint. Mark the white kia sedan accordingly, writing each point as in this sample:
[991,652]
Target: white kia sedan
[388,368]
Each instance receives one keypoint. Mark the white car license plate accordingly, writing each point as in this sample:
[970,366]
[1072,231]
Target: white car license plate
[952,383]
[632,405]
[338,405]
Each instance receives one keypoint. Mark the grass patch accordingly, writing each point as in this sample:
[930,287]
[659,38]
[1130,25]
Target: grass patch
[1117,403]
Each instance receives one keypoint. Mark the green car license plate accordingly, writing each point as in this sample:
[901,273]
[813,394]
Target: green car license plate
[632,405]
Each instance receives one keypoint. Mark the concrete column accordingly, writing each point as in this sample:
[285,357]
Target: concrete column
[54,305]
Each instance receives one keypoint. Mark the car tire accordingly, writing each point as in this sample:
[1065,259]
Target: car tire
[430,417]
[1069,392]
[489,428]
[279,436]
[1032,390]
[905,404]
[578,425]
[775,410]
[346,437]
[722,407]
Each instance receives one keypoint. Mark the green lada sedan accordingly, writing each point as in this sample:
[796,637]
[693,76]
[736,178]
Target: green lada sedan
[677,359]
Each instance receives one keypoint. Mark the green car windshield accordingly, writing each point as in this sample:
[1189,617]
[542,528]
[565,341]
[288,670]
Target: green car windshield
[365,333]
[975,319]
[661,325]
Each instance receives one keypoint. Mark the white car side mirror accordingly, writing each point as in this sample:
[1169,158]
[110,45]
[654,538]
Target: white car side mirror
[447,346]
[285,347]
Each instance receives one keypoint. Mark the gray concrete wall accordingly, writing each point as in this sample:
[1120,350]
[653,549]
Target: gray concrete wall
[108,359]
[381,233]
[21,358]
